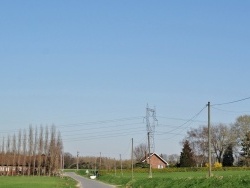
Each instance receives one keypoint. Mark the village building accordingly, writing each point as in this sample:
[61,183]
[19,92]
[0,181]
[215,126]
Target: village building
[156,161]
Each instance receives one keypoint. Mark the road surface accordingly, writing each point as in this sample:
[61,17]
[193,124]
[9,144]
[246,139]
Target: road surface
[87,183]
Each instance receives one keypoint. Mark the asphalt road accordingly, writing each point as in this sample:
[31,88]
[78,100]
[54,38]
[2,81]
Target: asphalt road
[87,183]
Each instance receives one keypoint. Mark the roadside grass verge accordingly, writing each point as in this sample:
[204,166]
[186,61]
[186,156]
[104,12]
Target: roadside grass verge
[36,182]
[224,179]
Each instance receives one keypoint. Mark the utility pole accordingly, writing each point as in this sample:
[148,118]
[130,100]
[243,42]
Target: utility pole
[209,142]
[149,158]
[115,166]
[121,164]
[77,161]
[100,161]
[132,159]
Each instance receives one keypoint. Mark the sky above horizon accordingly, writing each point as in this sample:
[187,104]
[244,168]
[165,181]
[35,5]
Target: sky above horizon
[91,68]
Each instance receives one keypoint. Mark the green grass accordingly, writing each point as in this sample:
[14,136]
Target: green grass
[36,182]
[224,179]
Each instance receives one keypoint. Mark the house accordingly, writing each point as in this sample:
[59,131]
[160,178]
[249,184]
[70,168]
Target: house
[156,161]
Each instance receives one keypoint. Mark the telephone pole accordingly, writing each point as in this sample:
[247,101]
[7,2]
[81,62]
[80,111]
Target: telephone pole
[121,164]
[209,142]
[77,160]
[132,159]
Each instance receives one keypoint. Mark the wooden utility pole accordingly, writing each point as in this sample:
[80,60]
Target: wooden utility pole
[132,159]
[77,161]
[121,164]
[100,163]
[149,160]
[209,142]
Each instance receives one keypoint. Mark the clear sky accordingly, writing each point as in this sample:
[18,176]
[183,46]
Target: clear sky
[91,67]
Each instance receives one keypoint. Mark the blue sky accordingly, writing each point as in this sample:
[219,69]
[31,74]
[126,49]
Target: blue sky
[72,62]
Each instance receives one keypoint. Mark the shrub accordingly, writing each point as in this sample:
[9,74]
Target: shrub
[217,165]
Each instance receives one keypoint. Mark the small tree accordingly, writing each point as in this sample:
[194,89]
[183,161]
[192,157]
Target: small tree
[246,149]
[187,156]
[140,151]
[228,158]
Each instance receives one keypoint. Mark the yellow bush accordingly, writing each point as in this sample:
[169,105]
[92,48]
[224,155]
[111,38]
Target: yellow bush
[217,165]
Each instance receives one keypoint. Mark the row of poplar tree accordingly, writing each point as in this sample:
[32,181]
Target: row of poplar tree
[36,151]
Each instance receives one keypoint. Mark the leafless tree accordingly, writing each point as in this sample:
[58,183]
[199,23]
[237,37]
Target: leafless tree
[8,154]
[40,150]
[59,149]
[31,144]
[19,144]
[13,154]
[34,151]
[140,151]
[24,153]
[221,137]
[173,159]
[3,154]
[46,149]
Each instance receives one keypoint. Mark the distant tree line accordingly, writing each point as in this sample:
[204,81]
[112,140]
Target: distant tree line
[36,151]
[93,162]
[228,142]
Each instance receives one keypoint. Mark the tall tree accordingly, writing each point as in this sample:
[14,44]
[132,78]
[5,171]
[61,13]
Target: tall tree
[19,144]
[46,150]
[221,139]
[187,156]
[228,158]
[198,141]
[24,169]
[8,154]
[3,154]
[241,126]
[13,154]
[31,144]
[40,150]
[34,152]
[140,151]
[246,149]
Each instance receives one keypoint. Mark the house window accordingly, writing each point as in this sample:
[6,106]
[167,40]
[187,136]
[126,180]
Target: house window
[160,166]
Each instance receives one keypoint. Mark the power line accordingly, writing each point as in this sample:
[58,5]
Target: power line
[230,111]
[219,104]
[190,121]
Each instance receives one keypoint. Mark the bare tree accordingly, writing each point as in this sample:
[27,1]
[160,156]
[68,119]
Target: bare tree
[52,150]
[198,139]
[221,139]
[59,149]
[140,151]
[46,149]
[8,154]
[173,159]
[19,144]
[24,153]
[31,144]
[3,154]
[40,149]
[13,153]
[34,151]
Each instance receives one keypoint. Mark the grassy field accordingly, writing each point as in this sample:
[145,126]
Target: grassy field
[224,179]
[36,182]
